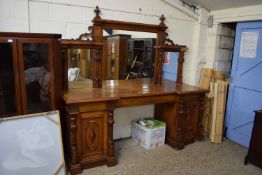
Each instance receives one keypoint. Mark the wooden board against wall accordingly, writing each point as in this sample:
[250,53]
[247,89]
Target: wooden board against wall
[209,80]
[205,78]
[218,113]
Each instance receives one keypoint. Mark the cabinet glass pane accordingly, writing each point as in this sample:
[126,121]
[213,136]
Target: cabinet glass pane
[37,77]
[7,82]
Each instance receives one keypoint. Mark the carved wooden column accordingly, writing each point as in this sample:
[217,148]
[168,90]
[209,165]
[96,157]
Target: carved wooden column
[97,68]
[111,161]
[74,154]
[181,113]
[159,52]
[97,32]
[180,67]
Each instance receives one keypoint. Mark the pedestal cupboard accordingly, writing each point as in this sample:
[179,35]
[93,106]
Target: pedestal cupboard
[29,73]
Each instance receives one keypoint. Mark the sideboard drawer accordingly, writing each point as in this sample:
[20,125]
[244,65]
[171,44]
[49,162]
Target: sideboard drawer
[86,107]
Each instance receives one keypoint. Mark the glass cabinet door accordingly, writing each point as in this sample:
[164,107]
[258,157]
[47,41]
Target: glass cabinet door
[9,85]
[37,77]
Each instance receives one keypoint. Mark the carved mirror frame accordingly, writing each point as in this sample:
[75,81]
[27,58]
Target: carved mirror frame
[95,41]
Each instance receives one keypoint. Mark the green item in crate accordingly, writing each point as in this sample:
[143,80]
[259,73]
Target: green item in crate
[156,124]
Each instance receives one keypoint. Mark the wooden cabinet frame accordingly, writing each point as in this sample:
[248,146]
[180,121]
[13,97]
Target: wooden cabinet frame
[51,40]
[15,72]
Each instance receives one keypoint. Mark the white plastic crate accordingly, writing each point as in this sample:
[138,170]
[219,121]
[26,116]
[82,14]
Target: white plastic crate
[149,137]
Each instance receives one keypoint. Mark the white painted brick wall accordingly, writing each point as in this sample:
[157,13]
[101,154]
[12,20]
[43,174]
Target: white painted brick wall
[19,9]
[223,30]
[39,11]
[220,48]
[14,15]
[59,12]
[199,51]
[226,42]
[223,54]
[5,9]
[74,30]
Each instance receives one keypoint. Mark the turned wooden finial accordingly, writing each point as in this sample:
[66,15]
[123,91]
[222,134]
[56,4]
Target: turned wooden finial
[162,19]
[97,12]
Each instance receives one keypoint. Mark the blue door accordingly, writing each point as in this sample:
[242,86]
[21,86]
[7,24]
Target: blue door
[170,66]
[245,89]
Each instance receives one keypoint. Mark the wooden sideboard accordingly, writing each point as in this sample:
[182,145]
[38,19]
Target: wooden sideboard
[89,116]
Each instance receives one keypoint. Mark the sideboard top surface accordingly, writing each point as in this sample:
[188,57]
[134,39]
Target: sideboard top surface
[82,91]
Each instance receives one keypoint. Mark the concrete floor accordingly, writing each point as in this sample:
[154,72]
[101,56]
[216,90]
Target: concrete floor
[203,158]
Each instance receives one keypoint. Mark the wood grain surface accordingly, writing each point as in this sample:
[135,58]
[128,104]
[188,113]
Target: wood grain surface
[82,91]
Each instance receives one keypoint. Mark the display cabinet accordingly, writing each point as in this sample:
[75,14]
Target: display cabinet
[29,73]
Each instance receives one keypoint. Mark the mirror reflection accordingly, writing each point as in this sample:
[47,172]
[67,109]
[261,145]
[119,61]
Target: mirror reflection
[79,64]
[128,55]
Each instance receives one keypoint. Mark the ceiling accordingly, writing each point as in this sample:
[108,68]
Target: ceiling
[222,4]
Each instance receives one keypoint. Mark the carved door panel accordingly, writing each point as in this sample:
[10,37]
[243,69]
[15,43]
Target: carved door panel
[93,138]
[190,121]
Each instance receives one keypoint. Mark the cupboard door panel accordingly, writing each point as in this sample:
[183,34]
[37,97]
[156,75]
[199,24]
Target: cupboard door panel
[93,137]
[9,85]
[190,121]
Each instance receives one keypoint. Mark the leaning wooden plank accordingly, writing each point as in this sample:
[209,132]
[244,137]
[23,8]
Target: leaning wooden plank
[218,75]
[207,113]
[207,116]
[214,111]
[220,111]
[226,83]
[225,86]
[211,112]
[205,78]
[209,101]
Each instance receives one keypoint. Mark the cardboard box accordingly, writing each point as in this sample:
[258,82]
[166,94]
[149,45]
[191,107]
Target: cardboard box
[149,137]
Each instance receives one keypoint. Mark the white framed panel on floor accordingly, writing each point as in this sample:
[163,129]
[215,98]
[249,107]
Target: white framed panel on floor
[32,144]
